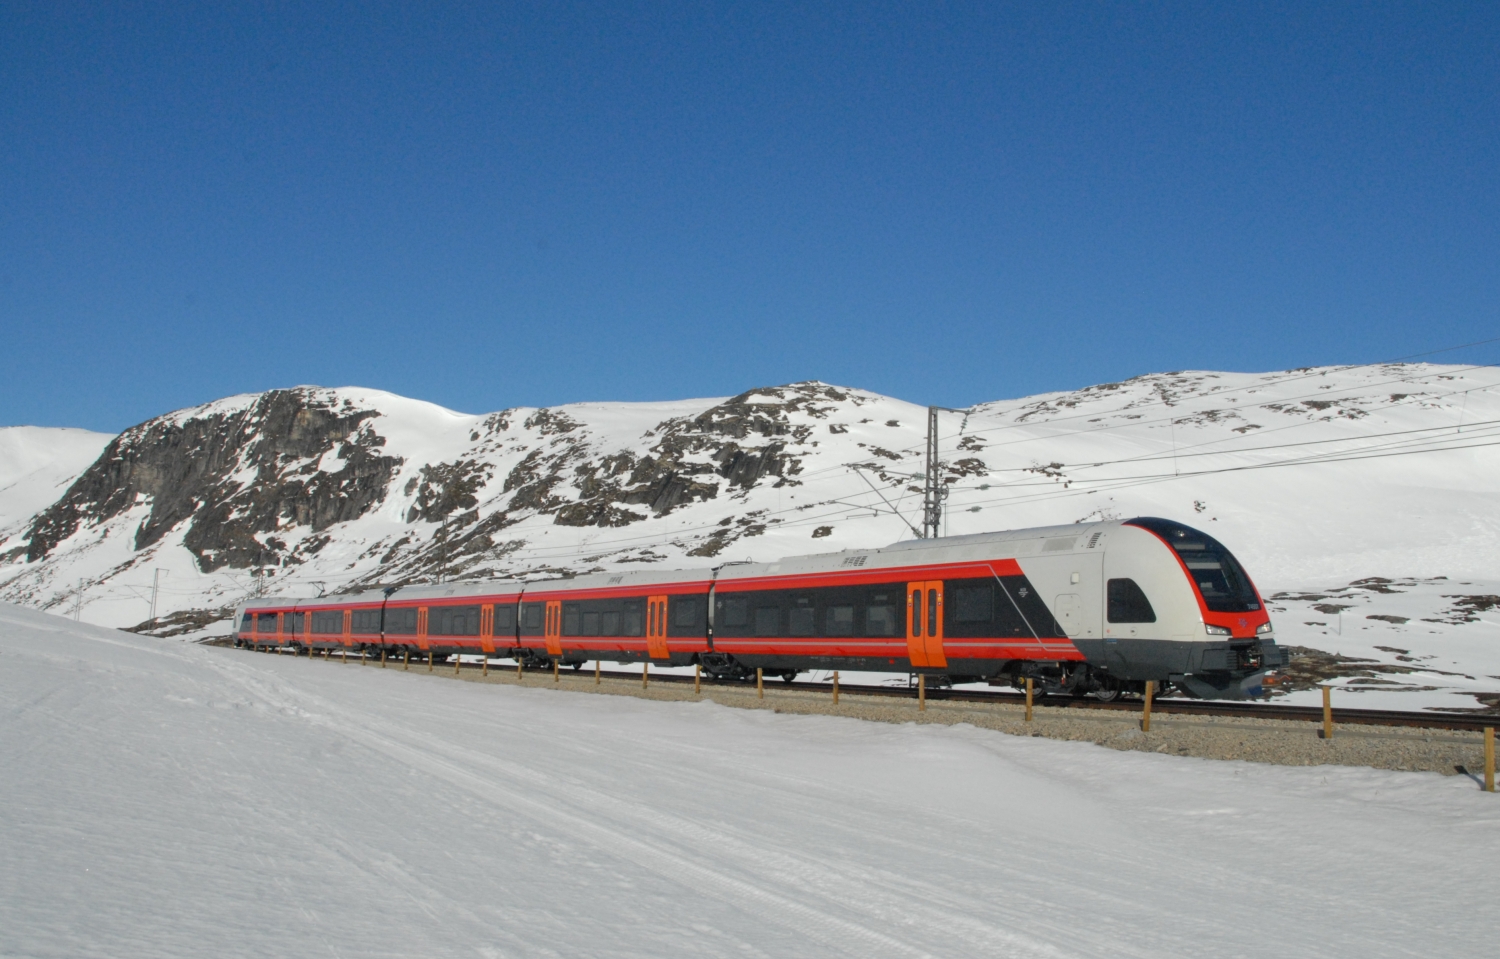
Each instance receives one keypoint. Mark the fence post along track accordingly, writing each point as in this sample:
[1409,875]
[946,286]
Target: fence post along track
[835,687]
[1028,698]
[697,678]
[922,692]
[646,674]
[555,679]
[597,673]
[457,661]
[1146,713]
[1489,759]
[1327,712]
[760,683]
[406,659]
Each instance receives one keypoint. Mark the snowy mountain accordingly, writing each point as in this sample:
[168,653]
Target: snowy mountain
[1315,477]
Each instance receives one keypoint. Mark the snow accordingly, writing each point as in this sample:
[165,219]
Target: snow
[164,799]
[37,464]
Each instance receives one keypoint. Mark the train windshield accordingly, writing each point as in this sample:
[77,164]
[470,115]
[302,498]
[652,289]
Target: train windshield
[1219,577]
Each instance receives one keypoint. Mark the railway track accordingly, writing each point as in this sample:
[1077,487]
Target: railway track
[1159,706]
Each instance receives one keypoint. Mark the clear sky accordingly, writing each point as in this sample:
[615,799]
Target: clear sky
[529,204]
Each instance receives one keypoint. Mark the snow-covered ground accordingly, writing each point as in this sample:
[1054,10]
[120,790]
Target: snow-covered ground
[163,799]
[36,466]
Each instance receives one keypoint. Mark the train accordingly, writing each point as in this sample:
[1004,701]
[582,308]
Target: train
[1097,609]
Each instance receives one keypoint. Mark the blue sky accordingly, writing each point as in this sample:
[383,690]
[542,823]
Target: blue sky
[509,204]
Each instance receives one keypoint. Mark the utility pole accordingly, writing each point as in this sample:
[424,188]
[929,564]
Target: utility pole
[933,492]
[155,584]
[78,603]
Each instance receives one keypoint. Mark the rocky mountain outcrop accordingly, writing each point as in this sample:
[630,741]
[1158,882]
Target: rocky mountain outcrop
[231,478]
[308,489]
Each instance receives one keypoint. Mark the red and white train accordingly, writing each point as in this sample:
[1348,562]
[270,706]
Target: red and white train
[1098,608]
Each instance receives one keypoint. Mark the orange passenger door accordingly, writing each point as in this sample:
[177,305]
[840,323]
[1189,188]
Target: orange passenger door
[656,627]
[924,624]
[552,630]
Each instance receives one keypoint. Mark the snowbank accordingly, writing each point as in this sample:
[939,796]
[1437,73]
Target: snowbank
[164,799]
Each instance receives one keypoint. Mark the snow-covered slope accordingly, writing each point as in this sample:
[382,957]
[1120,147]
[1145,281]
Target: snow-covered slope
[165,799]
[1314,477]
[37,464]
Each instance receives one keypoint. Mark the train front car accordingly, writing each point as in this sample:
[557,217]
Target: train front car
[1179,609]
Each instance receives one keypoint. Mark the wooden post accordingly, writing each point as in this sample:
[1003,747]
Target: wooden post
[922,691]
[555,679]
[429,660]
[345,653]
[597,664]
[1028,699]
[518,669]
[1146,716]
[646,674]
[697,678]
[484,668]
[457,661]
[382,657]
[760,683]
[835,687]
[1489,759]
[406,659]
[1327,713]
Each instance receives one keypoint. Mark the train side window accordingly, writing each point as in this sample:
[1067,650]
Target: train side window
[328,622]
[265,622]
[591,623]
[880,616]
[736,612]
[687,615]
[767,620]
[453,621]
[401,621]
[531,618]
[839,621]
[802,617]
[1127,603]
[609,624]
[632,622]
[365,621]
[570,625]
[974,604]
[505,619]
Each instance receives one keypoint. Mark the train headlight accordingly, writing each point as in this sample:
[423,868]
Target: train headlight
[1265,629]
[1216,630]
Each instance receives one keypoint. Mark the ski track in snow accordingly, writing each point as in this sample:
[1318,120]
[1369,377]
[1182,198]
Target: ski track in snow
[165,799]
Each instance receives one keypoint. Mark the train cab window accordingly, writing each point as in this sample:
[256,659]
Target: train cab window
[767,620]
[365,621]
[880,615]
[839,621]
[505,619]
[734,612]
[1127,603]
[328,622]
[247,623]
[265,622]
[633,619]
[974,604]
[401,621]
[802,617]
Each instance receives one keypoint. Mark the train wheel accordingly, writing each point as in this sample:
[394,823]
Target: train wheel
[1106,695]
